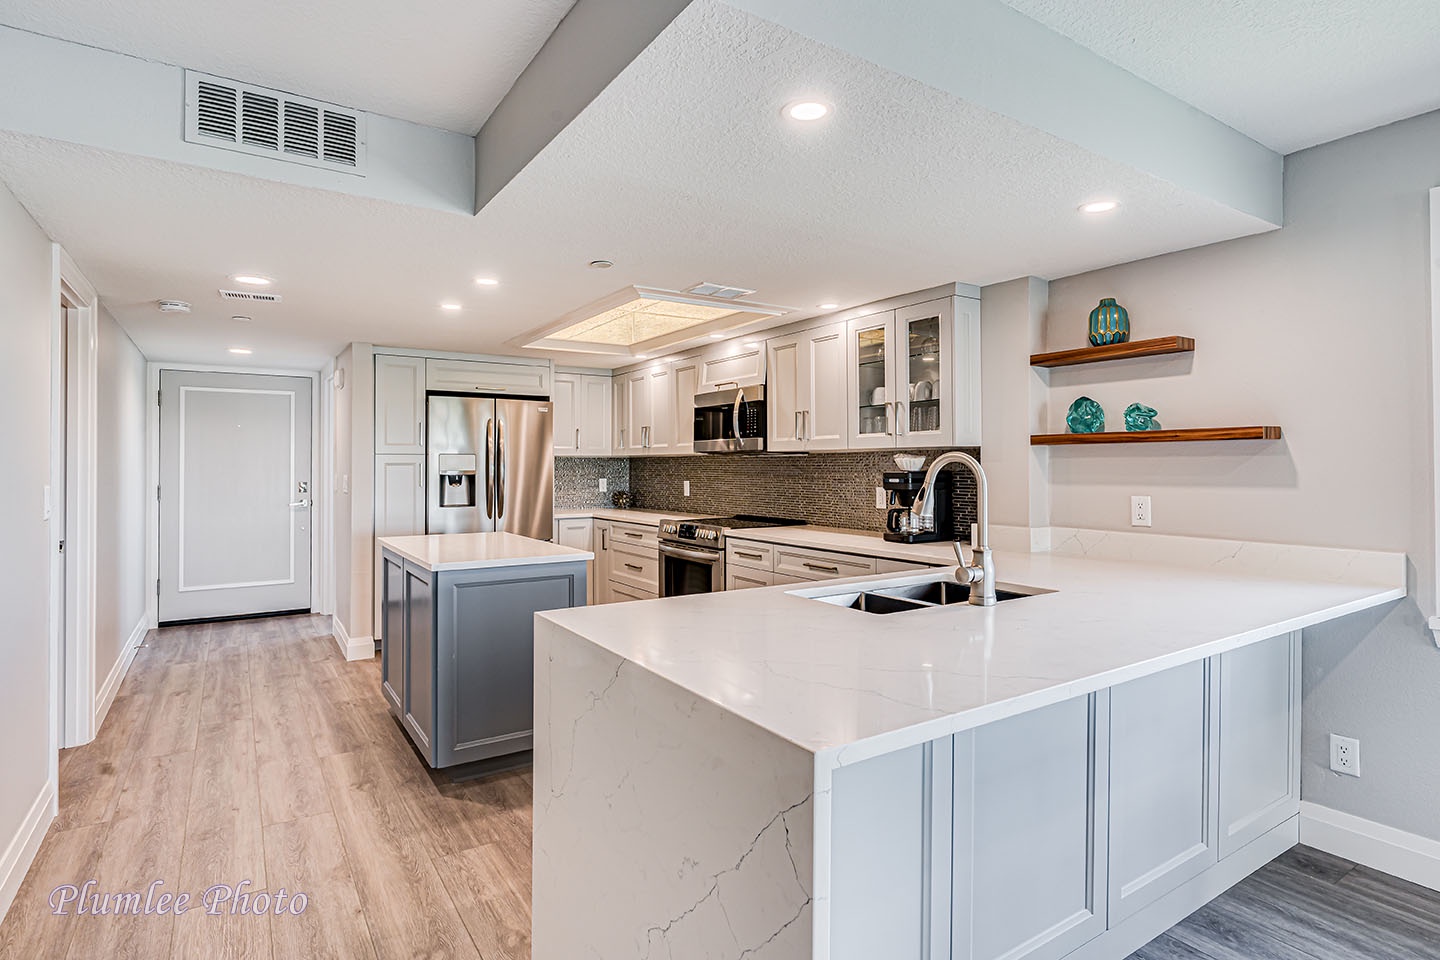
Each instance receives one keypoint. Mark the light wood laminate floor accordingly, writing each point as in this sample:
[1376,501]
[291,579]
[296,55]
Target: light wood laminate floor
[251,751]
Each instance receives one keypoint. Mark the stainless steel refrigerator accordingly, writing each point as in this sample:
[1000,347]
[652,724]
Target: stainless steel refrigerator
[490,466]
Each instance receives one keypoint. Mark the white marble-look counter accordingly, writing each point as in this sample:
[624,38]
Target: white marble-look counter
[475,551]
[827,678]
[862,543]
[649,518]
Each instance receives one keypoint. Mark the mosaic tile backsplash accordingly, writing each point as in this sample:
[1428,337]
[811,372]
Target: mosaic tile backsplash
[830,489]
[576,480]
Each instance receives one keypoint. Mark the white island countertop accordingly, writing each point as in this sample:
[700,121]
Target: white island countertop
[831,679]
[474,551]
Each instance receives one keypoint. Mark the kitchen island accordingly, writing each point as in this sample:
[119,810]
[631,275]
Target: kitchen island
[767,774]
[456,657]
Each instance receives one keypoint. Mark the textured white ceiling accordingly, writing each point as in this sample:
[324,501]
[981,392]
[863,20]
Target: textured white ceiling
[682,170]
[1287,73]
[442,63]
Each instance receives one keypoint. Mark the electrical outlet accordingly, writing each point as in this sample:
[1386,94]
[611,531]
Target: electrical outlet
[687,488]
[1345,755]
[603,484]
[879,498]
[1140,511]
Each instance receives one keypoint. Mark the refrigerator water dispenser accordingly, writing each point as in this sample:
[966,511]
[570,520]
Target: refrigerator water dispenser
[457,480]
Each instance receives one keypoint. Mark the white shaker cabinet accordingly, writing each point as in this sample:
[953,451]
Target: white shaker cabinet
[578,532]
[1259,739]
[655,409]
[399,405]
[914,376]
[582,418]
[806,393]
[399,496]
[684,384]
[489,376]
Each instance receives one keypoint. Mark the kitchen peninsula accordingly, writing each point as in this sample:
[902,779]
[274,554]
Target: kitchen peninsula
[773,774]
[459,613]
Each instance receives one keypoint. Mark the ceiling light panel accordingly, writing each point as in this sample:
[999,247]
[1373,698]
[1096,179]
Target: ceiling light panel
[647,320]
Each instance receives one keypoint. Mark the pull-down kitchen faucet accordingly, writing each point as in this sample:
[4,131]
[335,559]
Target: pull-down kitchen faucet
[981,570]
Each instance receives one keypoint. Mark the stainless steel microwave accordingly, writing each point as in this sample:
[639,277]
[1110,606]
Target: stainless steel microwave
[730,421]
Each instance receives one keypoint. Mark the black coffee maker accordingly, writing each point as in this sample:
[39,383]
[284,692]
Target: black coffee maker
[901,488]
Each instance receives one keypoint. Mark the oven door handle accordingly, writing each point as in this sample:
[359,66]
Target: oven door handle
[699,556]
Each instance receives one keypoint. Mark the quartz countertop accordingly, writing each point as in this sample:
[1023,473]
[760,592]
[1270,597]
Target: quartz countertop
[649,518]
[474,551]
[834,680]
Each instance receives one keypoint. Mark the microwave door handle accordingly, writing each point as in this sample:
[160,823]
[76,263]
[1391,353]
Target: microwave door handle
[735,414]
[489,470]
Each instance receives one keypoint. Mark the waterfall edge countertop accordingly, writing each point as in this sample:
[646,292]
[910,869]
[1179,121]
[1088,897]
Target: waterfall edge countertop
[828,678]
[475,551]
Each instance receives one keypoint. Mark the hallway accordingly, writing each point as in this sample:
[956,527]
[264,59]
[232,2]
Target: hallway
[250,750]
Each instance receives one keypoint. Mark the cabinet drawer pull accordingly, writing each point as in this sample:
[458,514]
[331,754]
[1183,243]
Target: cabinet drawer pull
[749,556]
[633,534]
[635,567]
[821,566]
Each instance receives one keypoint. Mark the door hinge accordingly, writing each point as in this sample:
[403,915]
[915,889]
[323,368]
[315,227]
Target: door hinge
[157,588]
[158,395]
[62,546]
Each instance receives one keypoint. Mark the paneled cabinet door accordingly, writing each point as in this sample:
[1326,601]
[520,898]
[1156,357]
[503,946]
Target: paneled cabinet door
[659,436]
[784,393]
[399,496]
[636,428]
[870,353]
[399,404]
[824,419]
[1259,739]
[565,398]
[1029,833]
[579,533]
[684,384]
[1164,794]
[593,416]
[600,546]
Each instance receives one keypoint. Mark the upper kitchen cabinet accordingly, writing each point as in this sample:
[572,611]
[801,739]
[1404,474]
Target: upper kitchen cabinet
[914,376]
[582,416]
[684,384]
[399,405]
[806,397]
[655,408]
[732,363]
[518,378]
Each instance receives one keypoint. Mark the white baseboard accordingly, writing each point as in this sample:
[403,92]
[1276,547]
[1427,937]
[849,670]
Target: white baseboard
[1405,855]
[106,694]
[21,850]
[351,648]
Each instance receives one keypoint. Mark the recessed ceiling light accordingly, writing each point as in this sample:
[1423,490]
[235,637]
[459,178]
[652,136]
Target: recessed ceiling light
[601,264]
[717,336]
[827,306]
[450,305]
[253,279]
[241,351]
[806,110]
[1099,206]
[487,281]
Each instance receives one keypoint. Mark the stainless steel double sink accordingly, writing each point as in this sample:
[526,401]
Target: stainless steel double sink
[925,595]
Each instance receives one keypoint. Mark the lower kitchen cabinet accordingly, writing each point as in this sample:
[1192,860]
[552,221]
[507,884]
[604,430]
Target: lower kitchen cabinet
[457,662]
[1063,831]
[579,532]
[743,578]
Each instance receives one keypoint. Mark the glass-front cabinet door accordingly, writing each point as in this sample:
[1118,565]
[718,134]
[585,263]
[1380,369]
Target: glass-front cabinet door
[926,395]
[872,383]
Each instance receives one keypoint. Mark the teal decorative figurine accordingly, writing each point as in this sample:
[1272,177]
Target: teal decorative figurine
[1139,418]
[1085,416]
[1109,323]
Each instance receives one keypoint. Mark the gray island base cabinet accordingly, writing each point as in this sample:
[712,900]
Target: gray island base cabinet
[457,658]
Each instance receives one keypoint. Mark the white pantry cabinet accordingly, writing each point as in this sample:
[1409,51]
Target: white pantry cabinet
[399,405]
[582,418]
[914,376]
[806,393]
[399,496]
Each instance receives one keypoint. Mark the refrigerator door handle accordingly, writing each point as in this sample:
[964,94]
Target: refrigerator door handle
[489,470]
[499,469]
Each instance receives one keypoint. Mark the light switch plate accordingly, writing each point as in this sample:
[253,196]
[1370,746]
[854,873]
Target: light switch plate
[687,488]
[604,484]
[879,498]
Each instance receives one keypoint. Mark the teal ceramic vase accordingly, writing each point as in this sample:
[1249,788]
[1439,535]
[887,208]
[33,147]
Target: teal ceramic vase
[1139,418]
[1109,323]
[1085,416]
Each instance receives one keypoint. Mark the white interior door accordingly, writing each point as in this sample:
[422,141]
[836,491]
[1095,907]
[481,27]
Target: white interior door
[235,494]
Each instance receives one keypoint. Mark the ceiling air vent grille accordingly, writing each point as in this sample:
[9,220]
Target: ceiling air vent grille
[721,290]
[270,123]
[247,295]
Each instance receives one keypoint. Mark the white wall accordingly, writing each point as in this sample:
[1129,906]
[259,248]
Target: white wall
[353,500]
[121,499]
[26,710]
[1322,328]
[1012,317]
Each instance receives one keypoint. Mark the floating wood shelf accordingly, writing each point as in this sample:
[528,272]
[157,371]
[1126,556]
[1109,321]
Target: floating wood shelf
[1156,436]
[1116,351]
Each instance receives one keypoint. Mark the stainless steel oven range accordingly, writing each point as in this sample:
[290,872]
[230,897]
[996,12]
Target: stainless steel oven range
[692,552]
